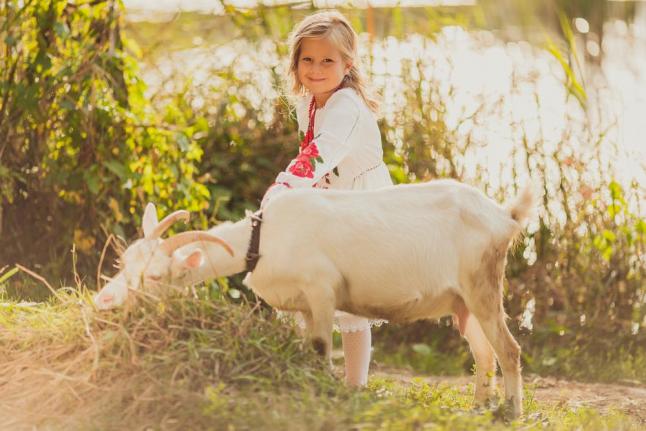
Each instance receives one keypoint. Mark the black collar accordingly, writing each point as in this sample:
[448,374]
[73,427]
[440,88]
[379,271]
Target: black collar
[254,244]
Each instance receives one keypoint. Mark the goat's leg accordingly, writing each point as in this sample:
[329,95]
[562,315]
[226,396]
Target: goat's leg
[485,362]
[307,319]
[321,304]
[492,321]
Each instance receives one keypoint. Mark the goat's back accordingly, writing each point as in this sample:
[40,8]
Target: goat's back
[412,238]
[448,203]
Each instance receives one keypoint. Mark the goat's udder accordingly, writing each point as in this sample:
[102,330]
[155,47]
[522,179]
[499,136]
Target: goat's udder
[460,316]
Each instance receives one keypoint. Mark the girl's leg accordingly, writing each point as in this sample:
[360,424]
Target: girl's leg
[357,340]
[356,351]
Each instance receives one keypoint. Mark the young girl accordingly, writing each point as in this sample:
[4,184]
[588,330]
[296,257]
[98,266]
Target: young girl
[342,144]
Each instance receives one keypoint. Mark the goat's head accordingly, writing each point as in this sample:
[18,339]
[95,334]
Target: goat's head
[149,261]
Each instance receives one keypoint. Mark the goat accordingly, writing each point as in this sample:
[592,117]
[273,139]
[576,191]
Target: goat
[401,253]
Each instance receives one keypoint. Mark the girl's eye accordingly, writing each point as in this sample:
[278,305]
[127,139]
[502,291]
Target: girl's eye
[153,277]
[328,60]
[306,59]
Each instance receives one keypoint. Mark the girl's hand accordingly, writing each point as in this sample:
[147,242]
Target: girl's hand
[272,191]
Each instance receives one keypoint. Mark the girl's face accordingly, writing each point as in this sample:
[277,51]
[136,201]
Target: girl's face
[321,67]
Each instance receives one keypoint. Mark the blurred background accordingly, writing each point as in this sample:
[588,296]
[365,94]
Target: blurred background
[106,105]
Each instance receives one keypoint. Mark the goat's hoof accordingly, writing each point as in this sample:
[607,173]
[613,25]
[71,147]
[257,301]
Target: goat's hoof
[489,402]
[508,411]
[319,346]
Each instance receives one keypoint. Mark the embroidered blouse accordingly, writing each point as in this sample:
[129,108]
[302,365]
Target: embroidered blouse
[346,143]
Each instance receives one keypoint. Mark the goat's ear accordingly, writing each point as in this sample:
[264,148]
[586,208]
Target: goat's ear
[149,220]
[193,260]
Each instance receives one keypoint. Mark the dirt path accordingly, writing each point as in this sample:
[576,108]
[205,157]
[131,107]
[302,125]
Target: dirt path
[629,398]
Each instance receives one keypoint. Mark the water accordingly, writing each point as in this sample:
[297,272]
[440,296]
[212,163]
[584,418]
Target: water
[211,6]
[480,71]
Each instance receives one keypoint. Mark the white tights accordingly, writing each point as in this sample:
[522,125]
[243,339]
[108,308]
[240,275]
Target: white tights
[357,341]
[356,351]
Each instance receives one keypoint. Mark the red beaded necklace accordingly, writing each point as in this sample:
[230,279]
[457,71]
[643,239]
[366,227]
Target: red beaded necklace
[309,136]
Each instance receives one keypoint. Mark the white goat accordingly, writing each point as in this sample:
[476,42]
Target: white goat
[400,253]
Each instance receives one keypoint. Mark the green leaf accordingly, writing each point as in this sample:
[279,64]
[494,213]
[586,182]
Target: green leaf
[92,181]
[616,192]
[609,235]
[43,61]
[549,361]
[67,105]
[182,141]
[10,40]
[573,85]
[640,226]
[614,209]
[422,349]
[61,29]
[607,254]
[599,243]
[117,168]
[6,276]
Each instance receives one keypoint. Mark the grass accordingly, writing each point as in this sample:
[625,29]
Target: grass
[196,360]
[575,361]
[423,347]
[589,361]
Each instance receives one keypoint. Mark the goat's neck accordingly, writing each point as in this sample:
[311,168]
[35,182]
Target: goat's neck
[219,263]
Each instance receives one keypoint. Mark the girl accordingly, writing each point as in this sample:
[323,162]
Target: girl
[342,144]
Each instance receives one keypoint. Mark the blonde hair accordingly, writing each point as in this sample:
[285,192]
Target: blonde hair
[336,28]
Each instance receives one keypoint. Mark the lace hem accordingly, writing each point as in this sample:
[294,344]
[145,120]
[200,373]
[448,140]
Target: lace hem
[356,328]
[343,322]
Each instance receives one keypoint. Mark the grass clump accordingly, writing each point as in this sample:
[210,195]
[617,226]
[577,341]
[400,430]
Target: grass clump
[66,365]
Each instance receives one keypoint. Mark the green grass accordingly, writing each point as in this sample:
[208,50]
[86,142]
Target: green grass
[196,360]
[589,355]
[423,358]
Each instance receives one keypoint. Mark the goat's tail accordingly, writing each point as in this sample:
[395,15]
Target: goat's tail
[523,205]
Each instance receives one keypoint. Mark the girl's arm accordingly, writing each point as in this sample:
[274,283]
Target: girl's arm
[327,149]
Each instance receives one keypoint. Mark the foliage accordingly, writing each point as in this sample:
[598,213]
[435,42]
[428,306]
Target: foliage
[81,148]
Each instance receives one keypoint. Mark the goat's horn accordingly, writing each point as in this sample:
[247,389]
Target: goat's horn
[167,222]
[174,242]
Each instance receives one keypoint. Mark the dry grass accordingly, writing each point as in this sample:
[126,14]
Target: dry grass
[67,366]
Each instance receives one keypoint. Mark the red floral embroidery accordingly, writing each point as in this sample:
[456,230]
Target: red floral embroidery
[308,154]
[310,151]
[302,168]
